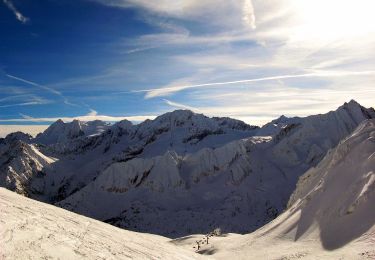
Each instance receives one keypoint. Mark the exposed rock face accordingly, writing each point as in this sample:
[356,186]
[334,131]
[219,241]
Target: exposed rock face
[22,167]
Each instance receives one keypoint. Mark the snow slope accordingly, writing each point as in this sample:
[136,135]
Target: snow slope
[331,215]
[34,230]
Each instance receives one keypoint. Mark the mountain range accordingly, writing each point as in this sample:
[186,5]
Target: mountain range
[184,173]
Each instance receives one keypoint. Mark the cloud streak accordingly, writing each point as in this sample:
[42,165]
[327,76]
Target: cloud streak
[157,92]
[249,14]
[20,17]
[225,12]
[31,103]
[22,100]
[179,105]
[48,89]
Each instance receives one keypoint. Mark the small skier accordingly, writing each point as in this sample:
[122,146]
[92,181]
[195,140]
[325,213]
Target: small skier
[198,245]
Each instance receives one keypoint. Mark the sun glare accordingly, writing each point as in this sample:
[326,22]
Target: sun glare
[328,20]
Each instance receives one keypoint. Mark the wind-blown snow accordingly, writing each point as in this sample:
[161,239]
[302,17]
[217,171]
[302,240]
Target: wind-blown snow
[34,230]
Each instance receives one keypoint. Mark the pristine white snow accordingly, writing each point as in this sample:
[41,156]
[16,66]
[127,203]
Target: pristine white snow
[34,230]
[331,215]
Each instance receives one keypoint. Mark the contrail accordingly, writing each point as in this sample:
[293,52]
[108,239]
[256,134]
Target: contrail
[35,84]
[20,17]
[162,91]
[51,90]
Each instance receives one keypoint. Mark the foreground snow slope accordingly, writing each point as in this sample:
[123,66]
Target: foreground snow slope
[34,230]
[331,214]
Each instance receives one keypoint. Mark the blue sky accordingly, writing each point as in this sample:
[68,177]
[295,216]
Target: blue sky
[135,59]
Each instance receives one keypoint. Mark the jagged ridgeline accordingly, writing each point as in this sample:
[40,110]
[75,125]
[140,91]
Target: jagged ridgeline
[179,174]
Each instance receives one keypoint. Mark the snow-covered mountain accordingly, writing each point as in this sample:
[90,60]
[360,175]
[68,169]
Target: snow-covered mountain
[22,165]
[33,230]
[60,132]
[185,173]
[182,131]
[331,214]
[338,196]
[239,186]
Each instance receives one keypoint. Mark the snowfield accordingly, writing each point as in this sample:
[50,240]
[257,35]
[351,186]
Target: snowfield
[34,230]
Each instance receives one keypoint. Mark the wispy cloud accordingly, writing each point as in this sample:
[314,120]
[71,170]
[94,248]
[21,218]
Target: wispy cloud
[31,103]
[261,104]
[48,89]
[22,100]
[225,12]
[249,14]
[20,17]
[179,105]
[35,84]
[157,92]
[14,97]
[214,50]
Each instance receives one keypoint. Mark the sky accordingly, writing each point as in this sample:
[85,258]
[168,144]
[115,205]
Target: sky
[253,60]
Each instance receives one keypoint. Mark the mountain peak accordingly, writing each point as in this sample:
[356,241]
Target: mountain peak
[18,136]
[351,104]
[59,122]
[179,113]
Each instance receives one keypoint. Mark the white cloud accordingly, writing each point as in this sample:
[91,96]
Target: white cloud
[165,91]
[248,13]
[92,113]
[179,105]
[292,42]
[222,13]
[260,103]
[22,100]
[20,17]
[48,89]
[35,84]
